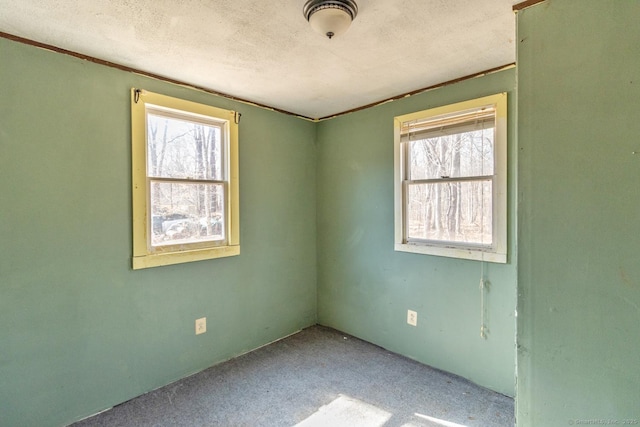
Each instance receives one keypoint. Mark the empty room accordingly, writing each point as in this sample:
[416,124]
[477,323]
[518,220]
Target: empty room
[324,212]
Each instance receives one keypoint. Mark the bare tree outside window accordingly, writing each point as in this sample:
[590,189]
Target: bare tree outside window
[449,193]
[187,189]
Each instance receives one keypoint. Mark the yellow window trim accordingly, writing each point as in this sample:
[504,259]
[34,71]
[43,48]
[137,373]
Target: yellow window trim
[142,256]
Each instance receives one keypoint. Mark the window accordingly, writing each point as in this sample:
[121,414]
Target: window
[185,181]
[450,180]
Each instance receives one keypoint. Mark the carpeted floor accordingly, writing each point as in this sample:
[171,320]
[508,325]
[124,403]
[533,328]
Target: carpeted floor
[318,377]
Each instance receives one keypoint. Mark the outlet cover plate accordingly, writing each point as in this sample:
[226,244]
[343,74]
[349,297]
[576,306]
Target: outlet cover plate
[412,318]
[201,325]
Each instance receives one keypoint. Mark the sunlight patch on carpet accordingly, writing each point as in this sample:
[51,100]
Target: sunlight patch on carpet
[347,411]
[439,421]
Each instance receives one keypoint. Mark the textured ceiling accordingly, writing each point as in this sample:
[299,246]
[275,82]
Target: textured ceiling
[265,51]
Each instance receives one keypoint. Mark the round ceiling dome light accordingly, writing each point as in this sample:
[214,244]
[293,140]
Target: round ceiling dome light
[330,17]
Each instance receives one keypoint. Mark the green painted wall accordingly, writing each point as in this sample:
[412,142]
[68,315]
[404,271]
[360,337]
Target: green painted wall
[79,330]
[365,288]
[579,212]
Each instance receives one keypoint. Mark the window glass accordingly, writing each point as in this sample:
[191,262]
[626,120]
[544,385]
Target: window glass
[454,155]
[185,213]
[181,148]
[450,212]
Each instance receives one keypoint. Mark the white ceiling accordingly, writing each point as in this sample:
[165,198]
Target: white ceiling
[265,51]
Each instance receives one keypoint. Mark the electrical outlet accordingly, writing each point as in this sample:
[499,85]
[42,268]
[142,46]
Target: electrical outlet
[412,318]
[201,325]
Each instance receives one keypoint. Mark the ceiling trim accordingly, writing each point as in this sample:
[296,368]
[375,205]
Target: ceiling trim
[418,91]
[526,4]
[244,101]
[143,73]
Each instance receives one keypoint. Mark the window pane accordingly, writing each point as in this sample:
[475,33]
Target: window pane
[450,211]
[455,155]
[183,149]
[186,213]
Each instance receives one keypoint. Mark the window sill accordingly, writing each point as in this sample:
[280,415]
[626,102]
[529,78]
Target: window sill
[462,253]
[169,258]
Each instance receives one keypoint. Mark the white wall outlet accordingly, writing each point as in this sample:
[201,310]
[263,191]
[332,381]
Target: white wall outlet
[201,325]
[412,318]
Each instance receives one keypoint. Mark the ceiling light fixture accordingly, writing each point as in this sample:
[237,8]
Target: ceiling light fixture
[330,17]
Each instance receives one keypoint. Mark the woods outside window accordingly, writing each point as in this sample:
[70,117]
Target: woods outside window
[450,180]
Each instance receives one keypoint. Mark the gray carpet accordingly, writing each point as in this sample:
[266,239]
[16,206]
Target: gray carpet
[318,377]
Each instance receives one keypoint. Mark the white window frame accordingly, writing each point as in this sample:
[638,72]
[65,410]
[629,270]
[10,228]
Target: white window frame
[497,252]
[144,253]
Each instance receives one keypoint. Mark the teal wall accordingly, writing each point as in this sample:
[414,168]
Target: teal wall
[579,212]
[365,288]
[79,330]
